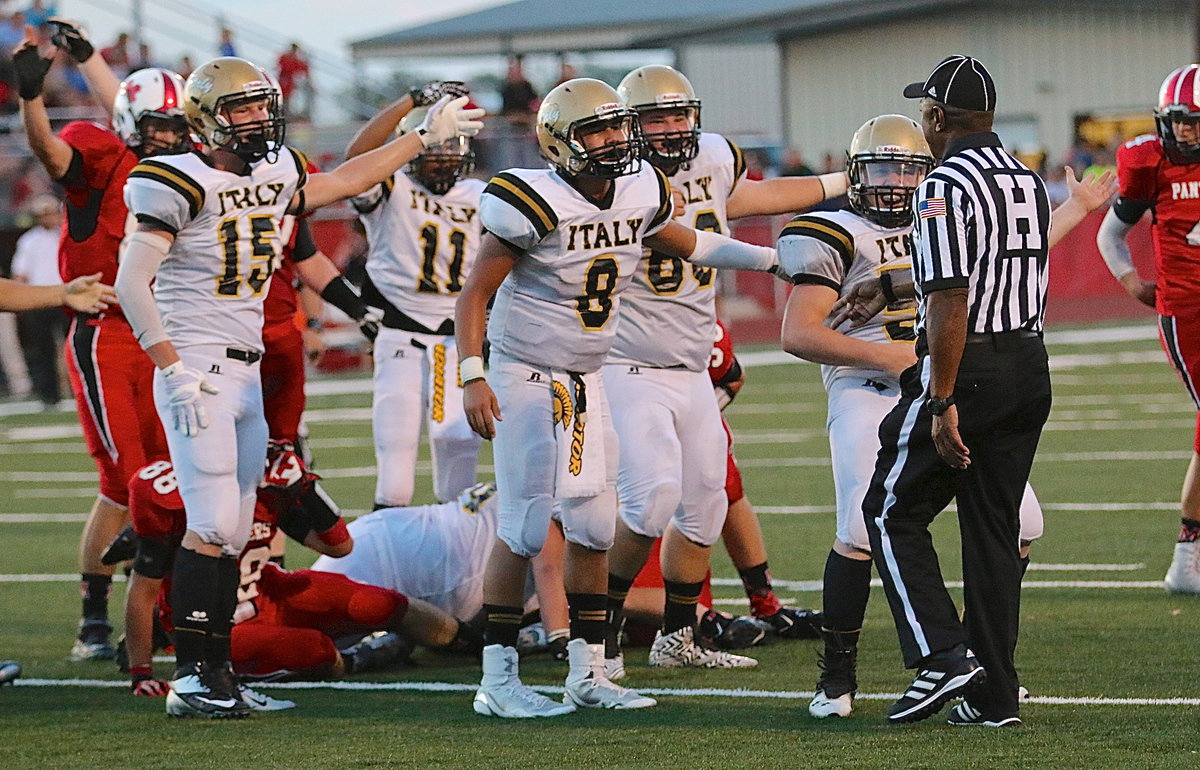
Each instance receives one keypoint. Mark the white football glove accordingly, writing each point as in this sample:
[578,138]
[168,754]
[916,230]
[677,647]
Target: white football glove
[184,387]
[447,119]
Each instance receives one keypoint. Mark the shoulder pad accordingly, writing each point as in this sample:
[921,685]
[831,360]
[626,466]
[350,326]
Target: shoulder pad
[171,176]
[519,194]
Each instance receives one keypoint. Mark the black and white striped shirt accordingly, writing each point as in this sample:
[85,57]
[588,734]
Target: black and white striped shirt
[982,221]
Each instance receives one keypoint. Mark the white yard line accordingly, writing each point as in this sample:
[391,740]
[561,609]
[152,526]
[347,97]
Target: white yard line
[692,692]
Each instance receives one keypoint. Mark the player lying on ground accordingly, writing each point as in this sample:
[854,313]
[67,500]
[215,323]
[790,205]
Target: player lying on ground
[286,621]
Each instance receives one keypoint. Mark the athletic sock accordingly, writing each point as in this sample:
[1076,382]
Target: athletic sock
[501,625]
[193,606]
[618,589]
[680,609]
[756,581]
[846,590]
[588,613]
[95,589]
[1190,531]
[229,576]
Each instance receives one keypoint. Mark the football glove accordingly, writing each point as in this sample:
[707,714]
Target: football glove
[30,68]
[447,119]
[70,37]
[184,387]
[423,96]
[149,687]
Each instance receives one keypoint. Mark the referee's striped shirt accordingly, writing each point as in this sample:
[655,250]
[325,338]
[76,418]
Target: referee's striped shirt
[982,221]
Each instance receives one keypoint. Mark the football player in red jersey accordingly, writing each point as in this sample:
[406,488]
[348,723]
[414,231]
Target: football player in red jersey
[285,621]
[1161,173]
[110,377]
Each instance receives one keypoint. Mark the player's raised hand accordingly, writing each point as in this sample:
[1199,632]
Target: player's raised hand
[86,294]
[448,118]
[861,302]
[184,387]
[70,37]
[1093,190]
[481,407]
[30,66]
[423,96]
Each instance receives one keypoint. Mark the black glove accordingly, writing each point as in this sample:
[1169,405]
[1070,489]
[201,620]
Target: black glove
[30,69]
[68,36]
[423,96]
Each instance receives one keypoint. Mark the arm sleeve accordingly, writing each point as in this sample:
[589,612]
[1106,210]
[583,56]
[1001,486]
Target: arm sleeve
[303,246]
[141,254]
[1110,239]
[942,216]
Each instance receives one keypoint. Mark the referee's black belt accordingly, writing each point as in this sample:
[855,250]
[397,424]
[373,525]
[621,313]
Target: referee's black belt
[237,354]
[1001,337]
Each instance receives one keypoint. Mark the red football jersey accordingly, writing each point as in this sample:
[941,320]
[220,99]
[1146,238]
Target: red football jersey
[282,299]
[1173,192]
[157,511]
[96,212]
[722,354]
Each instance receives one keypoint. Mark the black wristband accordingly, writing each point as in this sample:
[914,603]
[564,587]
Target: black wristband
[939,406]
[885,285]
[342,295]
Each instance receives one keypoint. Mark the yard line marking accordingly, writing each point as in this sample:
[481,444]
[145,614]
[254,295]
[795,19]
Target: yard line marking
[817,461]
[815,585]
[689,692]
[54,494]
[1051,567]
[41,518]
[49,578]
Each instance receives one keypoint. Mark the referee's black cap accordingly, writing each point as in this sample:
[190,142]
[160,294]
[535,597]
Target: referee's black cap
[959,81]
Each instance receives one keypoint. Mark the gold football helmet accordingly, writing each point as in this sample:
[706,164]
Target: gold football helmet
[659,87]
[572,110]
[438,168]
[887,159]
[216,86]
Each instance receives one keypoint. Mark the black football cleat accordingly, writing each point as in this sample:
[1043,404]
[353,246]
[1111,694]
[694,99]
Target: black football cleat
[200,690]
[944,680]
[792,623]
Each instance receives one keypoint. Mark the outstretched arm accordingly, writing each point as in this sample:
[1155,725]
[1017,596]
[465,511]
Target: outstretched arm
[1085,197]
[379,129]
[783,195]
[30,68]
[711,249]
[101,80]
[84,294]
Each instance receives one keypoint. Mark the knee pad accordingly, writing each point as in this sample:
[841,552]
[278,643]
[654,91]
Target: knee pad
[524,524]
[393,489]
[1032,522]
[650,515]
[371,606]
[591,521]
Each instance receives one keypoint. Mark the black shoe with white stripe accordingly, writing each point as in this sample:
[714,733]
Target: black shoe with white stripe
[966,714]
[934,686]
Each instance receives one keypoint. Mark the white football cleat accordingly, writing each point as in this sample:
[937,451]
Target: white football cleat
[502,694]
[1183,577]
[257,701]
[588,687]
[678,649]
[614,668]
[823,706]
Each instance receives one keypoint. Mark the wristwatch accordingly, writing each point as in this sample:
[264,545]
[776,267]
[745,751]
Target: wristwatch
[938,406]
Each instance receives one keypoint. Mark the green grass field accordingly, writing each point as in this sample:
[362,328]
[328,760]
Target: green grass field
[1104,649]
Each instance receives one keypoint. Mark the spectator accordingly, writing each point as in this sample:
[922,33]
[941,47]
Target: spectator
[518,98]
[794,165]
[37,14]
[144,58]
[226,44]
[12,32]
[293,72]
[117,56]
[185,66]
[566,71]
[41,331]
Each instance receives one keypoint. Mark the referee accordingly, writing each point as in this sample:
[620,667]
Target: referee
[972,407]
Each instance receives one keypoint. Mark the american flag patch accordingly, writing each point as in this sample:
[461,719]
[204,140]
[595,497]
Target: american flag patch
[931,207]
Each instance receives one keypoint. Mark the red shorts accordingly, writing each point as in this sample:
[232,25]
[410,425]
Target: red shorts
[733,476]
[113,382]
[1180,337]
[299,612]
[283,376]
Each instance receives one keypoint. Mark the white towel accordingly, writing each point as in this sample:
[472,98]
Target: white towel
[579,433]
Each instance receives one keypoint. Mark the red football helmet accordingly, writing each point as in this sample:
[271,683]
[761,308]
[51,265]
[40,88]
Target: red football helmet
[1179,102]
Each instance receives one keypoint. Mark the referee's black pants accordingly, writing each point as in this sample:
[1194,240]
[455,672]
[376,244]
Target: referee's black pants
[1003,399]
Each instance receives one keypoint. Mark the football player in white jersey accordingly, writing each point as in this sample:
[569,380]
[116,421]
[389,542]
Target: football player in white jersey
[207,237]
[422,224]
[829,255]
[559,248]
[673,446]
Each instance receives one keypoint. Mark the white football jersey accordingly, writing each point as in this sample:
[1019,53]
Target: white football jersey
[669,313]
[436,553]
[558,307]
[210,288]
[840,248]
[422,245]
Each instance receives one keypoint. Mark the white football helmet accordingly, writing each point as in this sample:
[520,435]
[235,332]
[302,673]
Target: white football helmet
[149,93]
